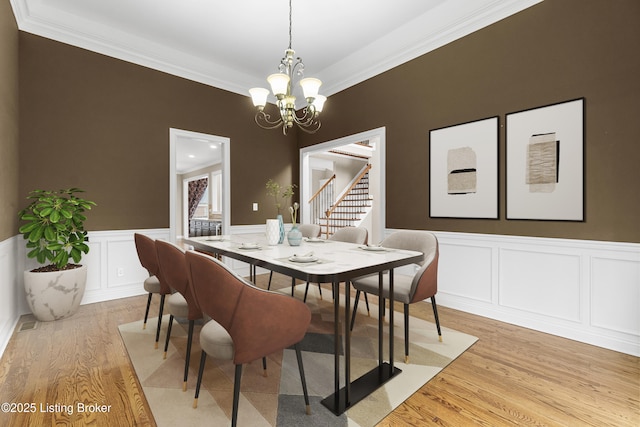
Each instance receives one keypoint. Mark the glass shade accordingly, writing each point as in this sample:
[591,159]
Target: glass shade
[279,83]
[310,87]
[318,102]
[259,96]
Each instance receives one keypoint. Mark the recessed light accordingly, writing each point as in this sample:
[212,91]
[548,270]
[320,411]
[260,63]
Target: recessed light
[191,156]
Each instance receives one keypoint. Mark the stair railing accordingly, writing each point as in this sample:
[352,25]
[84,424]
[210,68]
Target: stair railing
[333,207]
[322,200]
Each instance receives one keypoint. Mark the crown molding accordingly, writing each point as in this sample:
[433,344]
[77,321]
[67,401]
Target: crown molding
[452,20]
[410,41]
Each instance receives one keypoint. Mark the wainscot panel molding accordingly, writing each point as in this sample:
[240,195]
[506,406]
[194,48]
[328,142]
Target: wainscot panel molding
[588,291]
[113,268]
[9,308]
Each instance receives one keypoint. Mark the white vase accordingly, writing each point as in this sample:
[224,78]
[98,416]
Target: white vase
[55,295]
[273,232]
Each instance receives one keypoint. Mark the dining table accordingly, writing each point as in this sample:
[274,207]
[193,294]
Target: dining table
[326,261]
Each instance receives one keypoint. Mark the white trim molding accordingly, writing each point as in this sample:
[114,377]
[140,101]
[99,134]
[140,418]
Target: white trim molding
[9,303]
[588,291]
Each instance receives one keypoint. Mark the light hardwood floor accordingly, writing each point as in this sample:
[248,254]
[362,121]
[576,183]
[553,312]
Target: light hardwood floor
[511,376]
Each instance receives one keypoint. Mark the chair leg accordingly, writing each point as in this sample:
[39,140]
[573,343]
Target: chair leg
[159,319]
[355,308]
[166,342]
[306,291]
[203,359]
[406,333]
[366,301]
[236,395]
[302,378]
[264,367]
[146,312]
[188,356]
[435,314]
[270,276]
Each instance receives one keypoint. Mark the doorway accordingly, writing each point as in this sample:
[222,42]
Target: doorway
[190,153]
[376,138]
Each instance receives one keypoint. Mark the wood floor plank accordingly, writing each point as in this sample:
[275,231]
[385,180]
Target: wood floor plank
[511,376]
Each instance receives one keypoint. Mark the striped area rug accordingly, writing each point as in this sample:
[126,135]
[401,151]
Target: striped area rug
[276,400]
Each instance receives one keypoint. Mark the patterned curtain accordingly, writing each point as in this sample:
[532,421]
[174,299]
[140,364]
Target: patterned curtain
[196,191]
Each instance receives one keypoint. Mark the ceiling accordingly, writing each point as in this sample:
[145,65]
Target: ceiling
[235,44]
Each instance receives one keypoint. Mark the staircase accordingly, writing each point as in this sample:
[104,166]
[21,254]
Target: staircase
[350,208]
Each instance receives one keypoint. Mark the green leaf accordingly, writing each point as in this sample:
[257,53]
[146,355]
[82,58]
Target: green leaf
[76,255]
[28,228]
[50,233]
[36,234]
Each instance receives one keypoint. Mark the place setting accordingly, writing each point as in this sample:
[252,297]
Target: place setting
[374,248]
[250,246]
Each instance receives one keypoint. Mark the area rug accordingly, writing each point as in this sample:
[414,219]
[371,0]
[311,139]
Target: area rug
[276,400]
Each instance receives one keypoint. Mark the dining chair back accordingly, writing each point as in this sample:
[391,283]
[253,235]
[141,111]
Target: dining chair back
[407,289]
[309,230]
[358,235]
[247,323]
[154,284]
[182,303]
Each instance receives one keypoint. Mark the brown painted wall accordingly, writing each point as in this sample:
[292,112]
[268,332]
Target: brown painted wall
[8,122]
[101,124]
[555,51]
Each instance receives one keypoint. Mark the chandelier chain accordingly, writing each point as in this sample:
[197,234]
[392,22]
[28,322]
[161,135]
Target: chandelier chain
[290,21]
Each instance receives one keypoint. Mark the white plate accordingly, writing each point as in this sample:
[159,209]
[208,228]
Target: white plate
[315,240]
[303,258]
[373,248]
[249,246]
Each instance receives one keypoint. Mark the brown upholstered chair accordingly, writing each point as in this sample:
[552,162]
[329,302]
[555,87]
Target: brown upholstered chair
[248,323]
[146,248]
[407,289]
[357,235]
[181,304]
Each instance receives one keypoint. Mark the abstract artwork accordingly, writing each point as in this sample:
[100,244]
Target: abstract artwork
[463,172]
[545,162]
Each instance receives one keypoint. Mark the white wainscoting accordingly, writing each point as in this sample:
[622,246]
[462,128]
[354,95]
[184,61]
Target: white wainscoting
[9,312]
[113,268]
[587,291]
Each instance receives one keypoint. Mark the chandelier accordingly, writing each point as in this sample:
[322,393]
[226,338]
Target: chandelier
[281,84]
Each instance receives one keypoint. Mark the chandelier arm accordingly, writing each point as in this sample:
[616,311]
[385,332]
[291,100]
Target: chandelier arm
[264,121]
[312,128]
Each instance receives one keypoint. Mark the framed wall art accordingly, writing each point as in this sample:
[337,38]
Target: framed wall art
[463,170]
[545,162]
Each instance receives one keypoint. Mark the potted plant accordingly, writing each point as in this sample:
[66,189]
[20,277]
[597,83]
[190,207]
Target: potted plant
[279,192]
[55,235]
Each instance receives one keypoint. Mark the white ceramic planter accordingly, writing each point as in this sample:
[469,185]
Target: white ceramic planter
[55,295]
